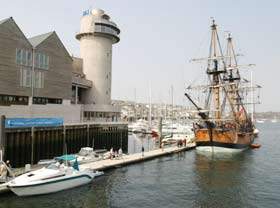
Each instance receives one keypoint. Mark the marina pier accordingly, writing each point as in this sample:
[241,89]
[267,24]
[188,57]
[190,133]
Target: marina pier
[136,158]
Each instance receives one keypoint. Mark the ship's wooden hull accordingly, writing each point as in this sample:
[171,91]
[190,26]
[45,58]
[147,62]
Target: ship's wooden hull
[219,140]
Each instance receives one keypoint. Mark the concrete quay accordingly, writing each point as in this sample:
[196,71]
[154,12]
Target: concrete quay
[136,158]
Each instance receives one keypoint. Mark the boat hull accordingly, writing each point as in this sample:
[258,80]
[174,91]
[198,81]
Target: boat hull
[222,141]
[4,188]
[51,186]
[217,147]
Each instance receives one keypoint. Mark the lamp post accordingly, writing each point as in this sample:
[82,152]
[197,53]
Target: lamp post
[32,74]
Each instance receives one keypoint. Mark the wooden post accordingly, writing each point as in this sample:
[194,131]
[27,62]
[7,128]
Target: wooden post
[32,145]
[2,136]
[160,132]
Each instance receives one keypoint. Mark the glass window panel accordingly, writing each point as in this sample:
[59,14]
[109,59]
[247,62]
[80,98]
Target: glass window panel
[29,58]
[24,57]
[28,77]
[18,56]
[37,59]
[47,62]
[41,64]
[25,77]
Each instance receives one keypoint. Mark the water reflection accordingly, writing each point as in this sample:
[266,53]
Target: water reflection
[78,197]
[220,178]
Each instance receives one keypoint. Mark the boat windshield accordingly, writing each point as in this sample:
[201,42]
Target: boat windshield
[53,166]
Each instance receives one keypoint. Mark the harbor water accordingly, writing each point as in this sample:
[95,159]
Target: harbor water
[188,179]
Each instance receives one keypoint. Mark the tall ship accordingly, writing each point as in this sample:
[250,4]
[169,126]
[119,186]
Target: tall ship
[223,123]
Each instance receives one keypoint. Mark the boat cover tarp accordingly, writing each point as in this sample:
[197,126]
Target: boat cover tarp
[66,157]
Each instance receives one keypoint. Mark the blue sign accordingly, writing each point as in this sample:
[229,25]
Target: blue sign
[33,122]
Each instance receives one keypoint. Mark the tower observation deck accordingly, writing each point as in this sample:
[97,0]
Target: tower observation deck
[97,35]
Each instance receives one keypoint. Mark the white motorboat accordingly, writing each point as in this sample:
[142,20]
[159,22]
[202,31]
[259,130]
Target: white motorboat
[51,179]
[85,155]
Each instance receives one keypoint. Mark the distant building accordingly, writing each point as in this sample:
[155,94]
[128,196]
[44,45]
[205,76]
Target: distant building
[39,78]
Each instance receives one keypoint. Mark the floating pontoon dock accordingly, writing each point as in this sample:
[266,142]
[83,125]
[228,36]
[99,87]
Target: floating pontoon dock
[136,158]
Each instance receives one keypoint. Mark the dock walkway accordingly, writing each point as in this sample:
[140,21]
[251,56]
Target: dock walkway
[135,158]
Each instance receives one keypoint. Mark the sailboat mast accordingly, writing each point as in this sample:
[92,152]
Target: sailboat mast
[214,71]
[172,111]
[150,106]
[252,97]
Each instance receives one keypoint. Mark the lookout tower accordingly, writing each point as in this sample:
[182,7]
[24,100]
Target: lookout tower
[97,35]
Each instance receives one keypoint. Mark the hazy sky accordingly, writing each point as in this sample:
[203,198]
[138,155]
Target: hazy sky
[159,37]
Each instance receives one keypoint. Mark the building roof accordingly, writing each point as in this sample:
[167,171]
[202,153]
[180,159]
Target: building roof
[37,40]
[16,29]
[4,20]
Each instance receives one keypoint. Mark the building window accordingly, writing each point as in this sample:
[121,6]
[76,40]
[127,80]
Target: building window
[44,100]
[18,56]
[29,58]
[24,57]
[37,60]
[46,62]
[41,61]
[25,77]
[39,79]
[13,100]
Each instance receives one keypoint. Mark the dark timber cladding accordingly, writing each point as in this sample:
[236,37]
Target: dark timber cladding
[11,37]
[58,78]
[48,142]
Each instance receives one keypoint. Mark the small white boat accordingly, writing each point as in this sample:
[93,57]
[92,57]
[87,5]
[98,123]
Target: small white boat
[50,179]
[85,155]
[260,121]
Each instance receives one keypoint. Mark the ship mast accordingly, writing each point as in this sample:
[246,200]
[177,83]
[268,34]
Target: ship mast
[233,76]
[214,71]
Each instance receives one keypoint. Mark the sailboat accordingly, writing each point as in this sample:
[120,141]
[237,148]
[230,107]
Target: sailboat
[224,124]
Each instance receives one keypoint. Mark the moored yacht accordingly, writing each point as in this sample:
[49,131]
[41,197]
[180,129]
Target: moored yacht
[51,179]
